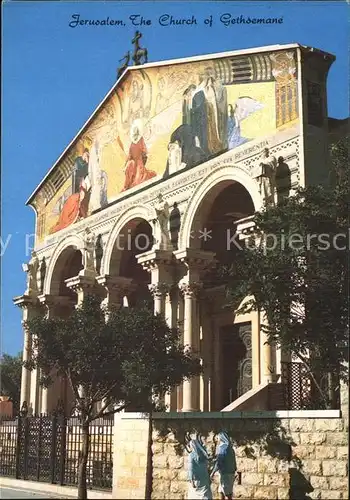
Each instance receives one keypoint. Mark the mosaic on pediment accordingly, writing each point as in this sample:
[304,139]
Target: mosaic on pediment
[160,121]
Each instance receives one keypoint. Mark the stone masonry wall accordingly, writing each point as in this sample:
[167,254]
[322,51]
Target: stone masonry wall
[278,458]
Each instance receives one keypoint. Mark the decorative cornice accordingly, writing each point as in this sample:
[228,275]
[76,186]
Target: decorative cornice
[55,300]
[197,259]
[24,301]
[155,259]
[116,284]
[81,283]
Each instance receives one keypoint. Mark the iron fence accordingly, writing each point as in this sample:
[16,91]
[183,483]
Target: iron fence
[46,448]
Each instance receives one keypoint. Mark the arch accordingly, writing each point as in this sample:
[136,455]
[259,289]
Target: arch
[72,241]
[220,176]
[137,212]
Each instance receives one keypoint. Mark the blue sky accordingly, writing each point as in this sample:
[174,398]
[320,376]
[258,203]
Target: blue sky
[54,76]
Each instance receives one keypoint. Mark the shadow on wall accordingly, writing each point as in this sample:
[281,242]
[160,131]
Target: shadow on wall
[266,439]
[299,486]
[283,180]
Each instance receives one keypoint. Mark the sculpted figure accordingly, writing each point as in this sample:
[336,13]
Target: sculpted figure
[89,250]
[162,210]
[125,60]
[140,53]
[42,274]
[175,225]
[266,177]
[32,274]
[98,253]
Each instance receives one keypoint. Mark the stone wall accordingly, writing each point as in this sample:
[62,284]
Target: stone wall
[131,438]
[280,455]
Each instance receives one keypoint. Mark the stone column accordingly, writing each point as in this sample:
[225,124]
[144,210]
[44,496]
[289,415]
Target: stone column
[53,305]
[268,357]
[190,390]
[171,316]
[30,309]
[192,264]
[159,292]
[159,264]
[116,287]
[180,316]
[82,285]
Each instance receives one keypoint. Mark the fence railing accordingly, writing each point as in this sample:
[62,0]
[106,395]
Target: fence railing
[46,448]
[301,392]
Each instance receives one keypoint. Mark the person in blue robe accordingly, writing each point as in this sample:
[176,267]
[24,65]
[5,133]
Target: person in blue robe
[198,473]
[225,465]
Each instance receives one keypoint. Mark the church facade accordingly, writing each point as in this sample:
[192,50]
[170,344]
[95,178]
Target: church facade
[156,191]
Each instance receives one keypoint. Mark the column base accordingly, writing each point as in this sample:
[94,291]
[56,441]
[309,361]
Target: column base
[189,410]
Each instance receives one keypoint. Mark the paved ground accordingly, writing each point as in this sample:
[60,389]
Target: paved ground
[21,493]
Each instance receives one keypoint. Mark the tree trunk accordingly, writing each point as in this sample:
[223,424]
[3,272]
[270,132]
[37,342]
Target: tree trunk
[148,490]
[83,459]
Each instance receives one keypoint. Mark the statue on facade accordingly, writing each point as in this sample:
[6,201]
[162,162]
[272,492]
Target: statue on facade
[125,64]
[32,274]
[174,226]
[89,251]
[98,253]
[42,273]
[162,210]
[266,177]
[24,409]
[139,52]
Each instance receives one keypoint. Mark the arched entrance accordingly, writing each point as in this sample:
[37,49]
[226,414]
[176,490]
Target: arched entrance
[60,302]
[226,341]
[136,237]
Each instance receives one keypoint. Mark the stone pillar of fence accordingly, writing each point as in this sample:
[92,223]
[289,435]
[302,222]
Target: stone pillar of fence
[131,463]
[344,398]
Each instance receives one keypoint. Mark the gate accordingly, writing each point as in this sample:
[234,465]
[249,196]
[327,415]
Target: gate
[41,448]
[236,361]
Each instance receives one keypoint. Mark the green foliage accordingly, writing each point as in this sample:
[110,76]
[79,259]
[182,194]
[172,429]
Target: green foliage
[121,356]
[296,270]
[11,371]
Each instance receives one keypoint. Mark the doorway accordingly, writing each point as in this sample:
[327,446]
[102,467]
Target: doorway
[236,361]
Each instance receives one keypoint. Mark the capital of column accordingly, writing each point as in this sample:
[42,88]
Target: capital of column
[118,285]
[50,302]
[194,259]
[81,283]
[155,259]
[190,290]
[159,290]
[29,305]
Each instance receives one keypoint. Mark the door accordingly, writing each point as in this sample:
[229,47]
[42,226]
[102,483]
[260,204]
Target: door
[236,359]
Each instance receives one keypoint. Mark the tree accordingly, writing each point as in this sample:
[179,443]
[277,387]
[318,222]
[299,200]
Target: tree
[295,268]
[11,371]
[120,357]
